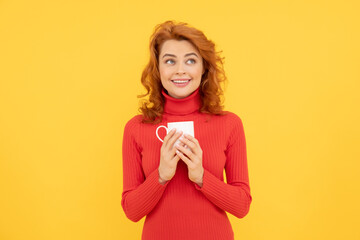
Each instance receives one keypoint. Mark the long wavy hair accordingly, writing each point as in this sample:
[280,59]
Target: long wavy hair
[211,91]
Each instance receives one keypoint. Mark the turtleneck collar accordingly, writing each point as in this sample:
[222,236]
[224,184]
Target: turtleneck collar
[182,106]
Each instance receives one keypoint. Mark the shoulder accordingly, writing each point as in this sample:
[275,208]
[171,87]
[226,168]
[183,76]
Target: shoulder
[231,118]
[226,119]
[137,119]
[233,124]
[133,123]
[234,128]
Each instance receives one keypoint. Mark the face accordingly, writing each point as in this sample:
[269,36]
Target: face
[180,67]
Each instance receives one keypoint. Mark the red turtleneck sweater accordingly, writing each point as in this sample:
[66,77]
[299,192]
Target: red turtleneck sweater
[181,209]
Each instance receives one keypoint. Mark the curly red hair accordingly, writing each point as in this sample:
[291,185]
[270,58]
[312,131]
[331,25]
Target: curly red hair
[211,91]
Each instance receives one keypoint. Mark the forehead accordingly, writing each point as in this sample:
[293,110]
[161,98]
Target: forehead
[177,47]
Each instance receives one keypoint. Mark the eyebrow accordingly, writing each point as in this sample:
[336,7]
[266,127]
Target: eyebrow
[172,55]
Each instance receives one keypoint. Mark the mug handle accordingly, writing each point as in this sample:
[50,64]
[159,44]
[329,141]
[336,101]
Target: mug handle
[158,134]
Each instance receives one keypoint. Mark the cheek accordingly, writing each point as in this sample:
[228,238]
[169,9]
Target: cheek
[197,72]
[164,73]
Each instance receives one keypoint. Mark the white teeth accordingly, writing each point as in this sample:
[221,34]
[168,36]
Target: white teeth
[177,81]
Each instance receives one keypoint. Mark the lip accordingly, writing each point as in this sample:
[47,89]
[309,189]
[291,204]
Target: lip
[180,79]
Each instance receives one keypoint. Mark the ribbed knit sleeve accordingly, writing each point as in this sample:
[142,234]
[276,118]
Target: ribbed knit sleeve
[140,195]
[233,196]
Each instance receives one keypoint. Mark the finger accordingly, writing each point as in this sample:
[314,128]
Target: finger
[192,139]
[187,161]
[186,151]
[175,158]
[197,150]
[190,144]
[173,152]
[173,139]
[168,136]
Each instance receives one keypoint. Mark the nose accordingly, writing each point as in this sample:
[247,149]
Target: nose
[180,69]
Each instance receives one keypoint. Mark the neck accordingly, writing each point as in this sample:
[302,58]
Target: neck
[182,106]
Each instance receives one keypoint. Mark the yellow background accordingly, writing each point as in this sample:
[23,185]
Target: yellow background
[69,76]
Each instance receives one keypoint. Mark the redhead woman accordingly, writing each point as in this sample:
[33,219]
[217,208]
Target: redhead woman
[175,151]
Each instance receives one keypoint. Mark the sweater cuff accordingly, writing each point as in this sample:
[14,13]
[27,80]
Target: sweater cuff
[143,199]
[210,182]
[154,178]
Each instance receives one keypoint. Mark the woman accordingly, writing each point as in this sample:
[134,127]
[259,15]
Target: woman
[180,187]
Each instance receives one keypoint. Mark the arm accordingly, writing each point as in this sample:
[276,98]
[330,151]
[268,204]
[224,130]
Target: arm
[233,196]
[140,195]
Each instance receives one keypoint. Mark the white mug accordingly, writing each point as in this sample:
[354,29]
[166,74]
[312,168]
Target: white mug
[186,127]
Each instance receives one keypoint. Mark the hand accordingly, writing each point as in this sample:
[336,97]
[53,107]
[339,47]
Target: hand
[192,157]
[168,158]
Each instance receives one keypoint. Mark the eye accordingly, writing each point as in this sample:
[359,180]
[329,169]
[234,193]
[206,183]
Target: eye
[192,61]
[169,61]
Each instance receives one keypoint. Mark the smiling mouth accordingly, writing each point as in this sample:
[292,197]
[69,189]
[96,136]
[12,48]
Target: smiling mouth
[181,80]
[181,83]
